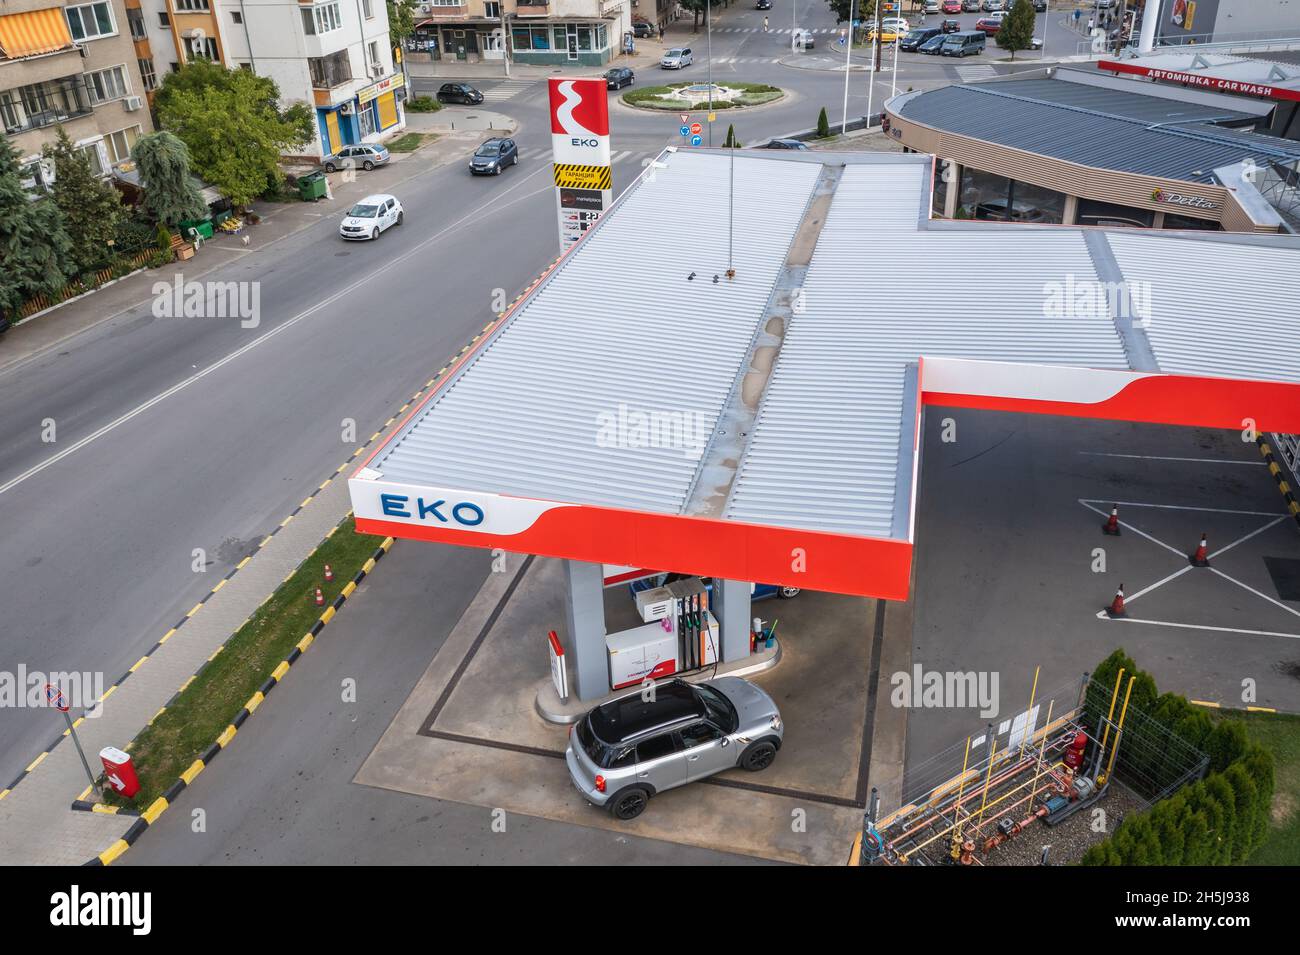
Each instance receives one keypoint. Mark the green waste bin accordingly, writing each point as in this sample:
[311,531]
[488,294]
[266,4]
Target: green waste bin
[312,186]
[202,226]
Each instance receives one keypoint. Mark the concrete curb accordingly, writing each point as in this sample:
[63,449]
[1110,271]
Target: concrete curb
[1241,709]
[160,805]
[1279,478]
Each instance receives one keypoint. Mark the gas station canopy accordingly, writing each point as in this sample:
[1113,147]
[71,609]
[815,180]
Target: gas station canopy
[639,407]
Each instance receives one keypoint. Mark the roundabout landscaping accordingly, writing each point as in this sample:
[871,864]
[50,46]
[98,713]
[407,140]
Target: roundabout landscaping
[694,96]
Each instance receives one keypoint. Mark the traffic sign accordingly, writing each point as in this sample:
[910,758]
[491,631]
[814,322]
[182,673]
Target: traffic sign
[685,130]
[686,118]
[696,129]
[712,117]
[696,139]
[54,697]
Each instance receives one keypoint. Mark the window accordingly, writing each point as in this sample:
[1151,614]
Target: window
[584,38]
[90,21]
[192,6]
[373,49]
[91,153]
[164,20]
[699,734]
[135,20]
[119,144]
[43,104]
[366,119]
[530,38]
[654,748]
[106,85]
[236,16]
[203,48]
[447,3]
[330,71]
[492,9]
[321,19]
[147,74]
[367,9]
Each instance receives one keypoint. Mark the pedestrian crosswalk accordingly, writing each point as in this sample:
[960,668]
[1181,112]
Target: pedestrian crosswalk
[745,59]
[786,30]
[972,74]
[507,90]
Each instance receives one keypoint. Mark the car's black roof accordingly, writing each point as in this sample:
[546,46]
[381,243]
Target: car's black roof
[630,715]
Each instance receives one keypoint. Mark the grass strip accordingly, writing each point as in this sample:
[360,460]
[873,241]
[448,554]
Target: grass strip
[1280,734]
[203,710]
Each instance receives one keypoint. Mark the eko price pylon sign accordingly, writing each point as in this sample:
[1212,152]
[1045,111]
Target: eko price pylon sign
[580,151]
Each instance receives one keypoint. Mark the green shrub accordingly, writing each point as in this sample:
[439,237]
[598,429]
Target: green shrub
[162,239]
[823,124]
[422,104]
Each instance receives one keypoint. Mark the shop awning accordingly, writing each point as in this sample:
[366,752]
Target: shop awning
[34,33]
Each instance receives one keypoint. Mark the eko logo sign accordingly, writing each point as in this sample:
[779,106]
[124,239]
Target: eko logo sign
[402,505]
[580,121]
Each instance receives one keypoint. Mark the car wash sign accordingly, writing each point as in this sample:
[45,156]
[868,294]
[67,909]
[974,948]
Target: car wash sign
[580,150]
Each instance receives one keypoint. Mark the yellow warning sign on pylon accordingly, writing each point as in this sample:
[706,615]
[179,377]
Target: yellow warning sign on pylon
[574,176]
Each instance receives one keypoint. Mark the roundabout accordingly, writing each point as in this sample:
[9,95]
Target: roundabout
[693,96]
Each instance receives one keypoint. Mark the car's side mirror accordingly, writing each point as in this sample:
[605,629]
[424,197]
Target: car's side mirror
[726,741]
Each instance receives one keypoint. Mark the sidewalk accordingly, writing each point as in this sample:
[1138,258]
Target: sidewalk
[43,332]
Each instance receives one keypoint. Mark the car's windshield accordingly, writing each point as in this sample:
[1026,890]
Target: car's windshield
[674,53]
[603,755]
[363,211]
[719,707]
[489,149]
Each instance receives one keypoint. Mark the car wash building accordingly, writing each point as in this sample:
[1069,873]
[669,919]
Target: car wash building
[1078,147]
[742,400]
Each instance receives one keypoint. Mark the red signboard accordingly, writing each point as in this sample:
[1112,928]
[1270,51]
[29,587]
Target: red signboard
[119,771]
[1219,84]
[579,107]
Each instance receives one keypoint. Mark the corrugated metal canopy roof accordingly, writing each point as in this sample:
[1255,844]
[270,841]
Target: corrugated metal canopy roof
[617,326]
[1095,126]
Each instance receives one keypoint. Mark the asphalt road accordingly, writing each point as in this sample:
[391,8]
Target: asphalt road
[175,434]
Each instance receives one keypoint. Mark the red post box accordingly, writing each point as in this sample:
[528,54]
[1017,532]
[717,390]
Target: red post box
[119,772]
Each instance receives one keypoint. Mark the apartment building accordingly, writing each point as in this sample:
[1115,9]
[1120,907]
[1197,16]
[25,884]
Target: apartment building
[72,65]
[333,54]
[540,32]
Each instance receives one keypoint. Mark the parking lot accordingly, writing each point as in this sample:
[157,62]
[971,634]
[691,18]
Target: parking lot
[1013,569]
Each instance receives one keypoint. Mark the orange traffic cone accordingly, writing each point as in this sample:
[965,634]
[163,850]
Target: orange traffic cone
[329,573]
[1111,526]
[320,598]
[1116,608]
[1201,557]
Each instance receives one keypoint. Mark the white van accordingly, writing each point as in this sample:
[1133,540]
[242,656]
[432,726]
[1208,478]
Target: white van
[803,40]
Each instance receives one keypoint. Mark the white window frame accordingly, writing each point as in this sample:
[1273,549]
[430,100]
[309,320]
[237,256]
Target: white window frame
[322,18]
[110,145]
[368,9]
[148,76]
[121,84]
[85,37]
[192,6]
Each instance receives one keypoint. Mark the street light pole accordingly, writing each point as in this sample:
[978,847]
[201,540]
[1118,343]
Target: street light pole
[848,62]
[505,40]
[875,63]
[708,29]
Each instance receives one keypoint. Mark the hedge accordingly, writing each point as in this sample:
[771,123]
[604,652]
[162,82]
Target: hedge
[1219,820]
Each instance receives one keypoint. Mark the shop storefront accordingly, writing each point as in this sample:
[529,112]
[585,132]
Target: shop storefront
[1076,148]
[373,113]
[547,42]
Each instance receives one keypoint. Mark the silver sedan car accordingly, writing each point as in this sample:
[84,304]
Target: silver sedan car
[627,750]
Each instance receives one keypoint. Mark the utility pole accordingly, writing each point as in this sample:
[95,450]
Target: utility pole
[875,63]
[848,63]
[708,29]
[505,38]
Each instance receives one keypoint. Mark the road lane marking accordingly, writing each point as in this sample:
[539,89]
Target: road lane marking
[1158,457]
[301,316]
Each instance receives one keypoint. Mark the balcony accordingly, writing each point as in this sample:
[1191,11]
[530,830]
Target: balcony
[328,72]
[43,104]
[532,8]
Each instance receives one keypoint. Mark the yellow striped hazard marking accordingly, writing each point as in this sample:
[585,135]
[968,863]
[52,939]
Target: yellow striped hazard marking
[576,176]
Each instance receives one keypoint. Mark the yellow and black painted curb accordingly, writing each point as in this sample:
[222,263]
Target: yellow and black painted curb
[1279,478]
[265,540]
[159,805]
[83,805]
[1239,709]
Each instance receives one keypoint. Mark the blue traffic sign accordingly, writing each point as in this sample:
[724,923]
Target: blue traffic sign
[685,130]
[696,140]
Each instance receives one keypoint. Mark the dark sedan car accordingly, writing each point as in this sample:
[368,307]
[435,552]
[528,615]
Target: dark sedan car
[950,26]
[784,144]
[619,77]
[493,156]
[932,46]
[643,30]
[914,38]
[459,93]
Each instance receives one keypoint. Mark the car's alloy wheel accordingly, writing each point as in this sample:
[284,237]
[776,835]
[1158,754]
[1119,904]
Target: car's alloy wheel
[329,167]
[497,170]
[630,804]
[788,592]
[367,165]
[515,161]
[374,233]
[758,757]
[399,222]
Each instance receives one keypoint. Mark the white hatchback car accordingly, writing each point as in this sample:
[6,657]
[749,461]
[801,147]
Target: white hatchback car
[371,216]
[677,58]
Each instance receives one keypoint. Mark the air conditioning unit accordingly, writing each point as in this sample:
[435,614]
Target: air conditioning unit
[132,103]
[426,8]
[346,109]
[191,34]
[376,70]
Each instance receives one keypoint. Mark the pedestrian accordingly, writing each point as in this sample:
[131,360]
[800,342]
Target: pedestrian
[764,24]
[661,33]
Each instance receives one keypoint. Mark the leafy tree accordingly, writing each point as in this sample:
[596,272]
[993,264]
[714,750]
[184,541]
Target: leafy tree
[91,207]
[401,21]
[1017,31]
[823,124]
[170,195]
[696,7]
[34,246]
[232,123]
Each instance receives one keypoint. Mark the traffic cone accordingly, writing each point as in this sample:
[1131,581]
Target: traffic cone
[320,598]
[1201,557]
[1111,526]
[1116,608]
[329,573]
